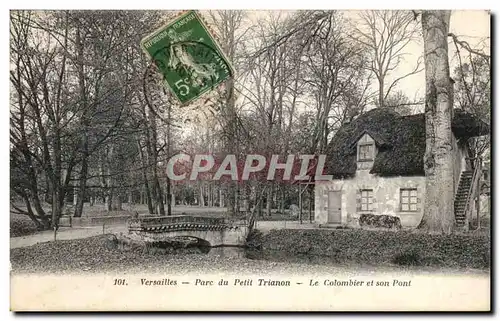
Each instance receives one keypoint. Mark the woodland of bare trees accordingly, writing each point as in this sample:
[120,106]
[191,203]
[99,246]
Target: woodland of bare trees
[88,126]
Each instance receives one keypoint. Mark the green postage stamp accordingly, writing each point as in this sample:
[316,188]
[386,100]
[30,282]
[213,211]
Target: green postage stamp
[191,61]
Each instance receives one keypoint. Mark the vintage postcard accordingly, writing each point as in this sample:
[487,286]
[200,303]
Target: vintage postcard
[244,160]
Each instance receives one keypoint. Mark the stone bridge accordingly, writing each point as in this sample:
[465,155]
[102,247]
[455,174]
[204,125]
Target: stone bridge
[216,231]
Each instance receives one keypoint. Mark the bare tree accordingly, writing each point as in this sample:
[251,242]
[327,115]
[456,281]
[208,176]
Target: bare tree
[228,27]
[40,131]
[472,91]
[386,34]
[337,79]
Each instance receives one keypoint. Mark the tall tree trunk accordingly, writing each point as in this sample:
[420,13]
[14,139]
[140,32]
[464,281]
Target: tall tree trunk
[57,193]
[159,195]
[103,180]
[438,161]
[39,225]
[221,198]
[75,195]
[109,183]
[210,195]
[116,202]
[227,23]
[157,190]
[82,186]
[169,149]
[381,92]
[230,198]
[247,202]
[56,205]
[85,122]
[202,196]
[230,142]
[311,201]
[147,192]
[109,199]
[259,200]
[236,208]
[282,200]
[169,197]
[269,201]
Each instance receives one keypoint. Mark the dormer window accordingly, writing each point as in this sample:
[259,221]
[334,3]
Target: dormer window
[366,148]
[366,151]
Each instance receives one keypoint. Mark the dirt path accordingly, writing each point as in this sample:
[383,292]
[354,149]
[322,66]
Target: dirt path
[64,233]
[266,226]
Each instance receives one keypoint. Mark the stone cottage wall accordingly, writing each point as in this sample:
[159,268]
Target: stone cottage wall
[386,194]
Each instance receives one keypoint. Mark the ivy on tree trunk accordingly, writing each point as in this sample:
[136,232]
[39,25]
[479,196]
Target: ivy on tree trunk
[438,214]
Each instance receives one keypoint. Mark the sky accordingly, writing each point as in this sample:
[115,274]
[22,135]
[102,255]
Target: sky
[472,26]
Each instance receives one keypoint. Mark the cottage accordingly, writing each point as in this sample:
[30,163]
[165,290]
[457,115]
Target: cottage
[377,164]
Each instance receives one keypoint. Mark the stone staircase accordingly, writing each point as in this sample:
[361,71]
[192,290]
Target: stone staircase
[461,197]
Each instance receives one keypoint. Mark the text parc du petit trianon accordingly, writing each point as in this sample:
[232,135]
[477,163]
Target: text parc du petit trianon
[294,168]
[279,282]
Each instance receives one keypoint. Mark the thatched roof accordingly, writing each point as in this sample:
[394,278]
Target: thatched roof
[400,141]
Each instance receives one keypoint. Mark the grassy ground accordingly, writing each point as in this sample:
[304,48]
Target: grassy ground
[404,248]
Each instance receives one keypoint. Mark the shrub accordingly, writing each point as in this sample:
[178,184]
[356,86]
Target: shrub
[407,258]
[254,239]
[21,226]
[383,221]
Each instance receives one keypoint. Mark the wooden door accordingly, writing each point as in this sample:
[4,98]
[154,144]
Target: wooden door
[334,207]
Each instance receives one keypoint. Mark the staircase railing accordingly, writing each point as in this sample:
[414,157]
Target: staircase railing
[474,185]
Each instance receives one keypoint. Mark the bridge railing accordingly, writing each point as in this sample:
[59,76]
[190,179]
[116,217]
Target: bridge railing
[174,219]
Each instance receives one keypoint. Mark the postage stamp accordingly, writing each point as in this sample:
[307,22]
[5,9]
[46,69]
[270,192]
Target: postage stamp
[188,56]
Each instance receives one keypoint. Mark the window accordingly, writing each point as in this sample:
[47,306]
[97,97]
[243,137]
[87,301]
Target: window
[366,200]
[409,199]
[365,152]
[485,175]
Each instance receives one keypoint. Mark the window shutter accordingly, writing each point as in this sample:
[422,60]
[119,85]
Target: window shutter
[419,204]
